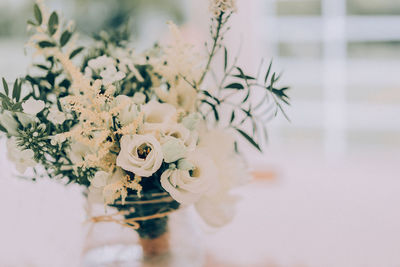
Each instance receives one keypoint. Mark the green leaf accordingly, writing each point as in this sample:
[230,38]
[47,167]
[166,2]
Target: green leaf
[3,95]
[43,67]
[53,23]
[242,75]
[237,86]
[5,86]
[44,44]
[38,14]
[30,22]
[3,129]
[16,90]
[232,117]
[268,72]
[225,58]
[249,139]
[65,37]
[76,52]
[216,115]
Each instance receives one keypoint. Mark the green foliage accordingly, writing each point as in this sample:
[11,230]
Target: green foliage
[38,14]
[248,117]
[53,23]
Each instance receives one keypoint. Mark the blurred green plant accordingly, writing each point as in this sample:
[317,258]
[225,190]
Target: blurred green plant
[92,16]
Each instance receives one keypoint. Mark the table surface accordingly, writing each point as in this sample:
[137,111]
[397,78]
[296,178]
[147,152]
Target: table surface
[313,214]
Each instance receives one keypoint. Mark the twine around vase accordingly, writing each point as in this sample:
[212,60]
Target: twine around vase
[133,222]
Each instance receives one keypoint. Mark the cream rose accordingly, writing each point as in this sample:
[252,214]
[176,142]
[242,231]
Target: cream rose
[157,116]
[188,186]
[189,138]
[140,154]
[128,112]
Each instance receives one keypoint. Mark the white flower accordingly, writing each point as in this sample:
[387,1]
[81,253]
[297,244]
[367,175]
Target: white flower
[22,158]
[78,152]
[218,210]
[158,116]
[129,112]
[108,71]
[188,186]
[181,132]
[111,75]
[219,6]
[173,149]
[97,188]
[56,116]
[9,123]
[101,62]
[191,121]
[140,154]
[139,98]
[32,106]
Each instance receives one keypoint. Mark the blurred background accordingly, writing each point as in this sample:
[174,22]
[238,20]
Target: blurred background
[326,191]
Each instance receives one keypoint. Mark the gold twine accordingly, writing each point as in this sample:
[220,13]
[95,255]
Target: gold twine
[133,222]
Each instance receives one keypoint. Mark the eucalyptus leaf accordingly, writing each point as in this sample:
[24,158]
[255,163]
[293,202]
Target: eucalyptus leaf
[65,37]
[3,129]
[76,52]
[53,23]
[45,44]
[5,86]
[38,14]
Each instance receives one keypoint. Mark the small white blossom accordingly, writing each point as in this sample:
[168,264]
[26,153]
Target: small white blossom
[32,106]
[139,98]
[21,158]
[219,6]
[111,75]
[56,116]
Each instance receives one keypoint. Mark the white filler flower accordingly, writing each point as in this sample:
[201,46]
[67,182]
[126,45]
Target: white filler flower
[56,116]
[188,186]
[32,106]
[22,158]
[140,154]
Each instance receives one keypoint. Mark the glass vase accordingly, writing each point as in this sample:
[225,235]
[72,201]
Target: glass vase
[171,240]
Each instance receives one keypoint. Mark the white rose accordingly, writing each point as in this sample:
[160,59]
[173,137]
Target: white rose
[189,138]
[173,149]
[129,111]
[187,186]
[9,123]
[22,158]
[56,116]
[32,106]
[140,154]
[158,116]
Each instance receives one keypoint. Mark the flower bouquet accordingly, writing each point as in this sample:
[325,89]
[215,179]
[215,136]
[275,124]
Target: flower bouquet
[142,132]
